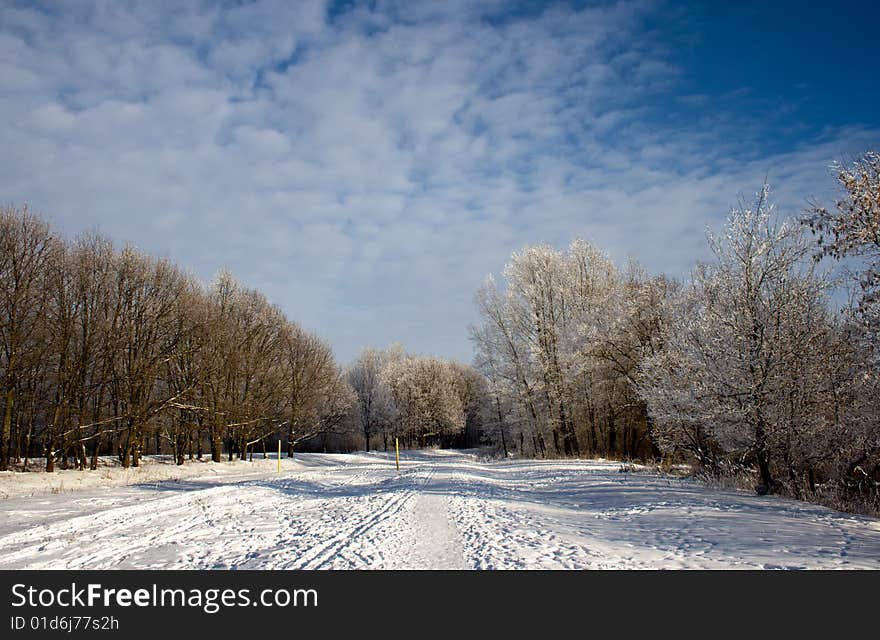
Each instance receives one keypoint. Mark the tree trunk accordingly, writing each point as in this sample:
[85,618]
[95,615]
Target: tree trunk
[7,429]
[652,437]
[216,448]
[594,436]
[501,426]
[569,437]
[763,457]
[179,451]
[96,446]
[795,481]
[27,443]
[16,436]
[290,441]
[126,452]
[764,468]
[612,435]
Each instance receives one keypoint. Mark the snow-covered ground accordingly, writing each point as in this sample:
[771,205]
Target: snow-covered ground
[110,473]
[444,510]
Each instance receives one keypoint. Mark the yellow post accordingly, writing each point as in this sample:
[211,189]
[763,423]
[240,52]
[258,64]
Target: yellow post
[397,454]
[279,455]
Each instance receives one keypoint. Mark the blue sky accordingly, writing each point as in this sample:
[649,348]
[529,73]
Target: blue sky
[366,165]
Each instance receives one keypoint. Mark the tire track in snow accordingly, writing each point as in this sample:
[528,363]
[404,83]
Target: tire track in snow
[111,535]
[227,526]
[325,554]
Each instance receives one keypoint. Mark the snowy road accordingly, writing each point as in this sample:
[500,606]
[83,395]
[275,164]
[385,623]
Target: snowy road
[444,510]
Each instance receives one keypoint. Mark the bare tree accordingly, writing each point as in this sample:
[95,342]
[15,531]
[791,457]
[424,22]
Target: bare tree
[25,245]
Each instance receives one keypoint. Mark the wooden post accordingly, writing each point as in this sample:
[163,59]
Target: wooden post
[397,454]
[279,455]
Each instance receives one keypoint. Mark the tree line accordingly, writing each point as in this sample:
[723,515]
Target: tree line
[108,351]
[745,369]
[111,351]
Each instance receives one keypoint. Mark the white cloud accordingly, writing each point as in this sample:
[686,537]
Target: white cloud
[367,171]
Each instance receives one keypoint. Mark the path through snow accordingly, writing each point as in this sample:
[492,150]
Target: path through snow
[444,510]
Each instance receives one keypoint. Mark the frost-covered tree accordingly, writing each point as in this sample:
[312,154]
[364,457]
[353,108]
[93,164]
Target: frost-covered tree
[375,412]
[425,396]
[536,280]
[852,228]
[559,345]
[630,330]
[502,355]
[738,363]
[471,388]
[424,400]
